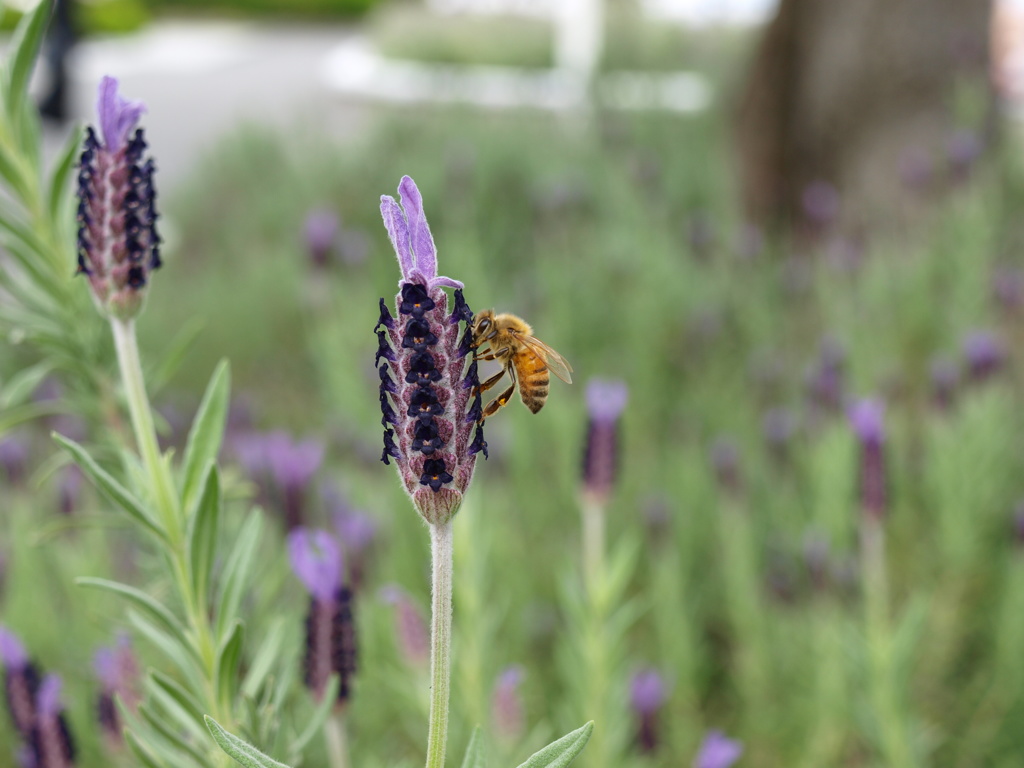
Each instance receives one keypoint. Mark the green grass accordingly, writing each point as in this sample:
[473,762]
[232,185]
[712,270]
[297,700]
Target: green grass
[583,230]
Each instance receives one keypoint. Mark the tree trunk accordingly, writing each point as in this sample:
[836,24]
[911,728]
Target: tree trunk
[856,112]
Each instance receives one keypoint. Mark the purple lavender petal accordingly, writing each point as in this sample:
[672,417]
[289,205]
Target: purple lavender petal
[867,419]
[647,691]
[117,115]
[48,697]
[356,530]
[398,231]
[316,560]
[12,652]
[606,399]
[419,231]
[717,751]
[104,664]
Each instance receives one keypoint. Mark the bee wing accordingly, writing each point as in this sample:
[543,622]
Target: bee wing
[557,364]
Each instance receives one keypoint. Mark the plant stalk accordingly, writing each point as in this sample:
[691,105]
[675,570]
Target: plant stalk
[336,738]
[440,641]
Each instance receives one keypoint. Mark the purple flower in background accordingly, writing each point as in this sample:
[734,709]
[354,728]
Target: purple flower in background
[285,465]
[606,399]
[647,695]
[21,682]
[725,461]
[717,751]
[820,202]
[985,354]
[330,624]
[51,742]
[867,420]
[321,234]
[69,488]
[118,245]
[410,627]
[117,670]
[945,378]
[826,379]
[508,715]
[778,425]
[14,458]
[429,398]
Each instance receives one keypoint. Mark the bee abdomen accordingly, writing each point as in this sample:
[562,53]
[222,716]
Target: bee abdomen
[535,394]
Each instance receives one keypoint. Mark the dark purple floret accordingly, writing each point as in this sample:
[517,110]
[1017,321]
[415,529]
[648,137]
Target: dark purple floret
[415,300]
[387,384]
[424,405]
[418,336]
[389,416]
[435,474]
[385,318]
[426,439]
[472,378]
[461,311]
[479,445]
[390,449]
[383,349]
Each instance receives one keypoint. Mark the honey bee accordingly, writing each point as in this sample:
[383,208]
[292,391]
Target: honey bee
[509,340]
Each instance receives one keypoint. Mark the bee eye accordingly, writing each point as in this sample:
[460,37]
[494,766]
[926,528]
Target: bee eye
[485,324]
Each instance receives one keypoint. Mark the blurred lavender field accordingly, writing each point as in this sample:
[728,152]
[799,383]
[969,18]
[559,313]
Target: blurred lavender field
[777,519]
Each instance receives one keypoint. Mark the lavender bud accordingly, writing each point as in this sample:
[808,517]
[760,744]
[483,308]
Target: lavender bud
[428,394]
[321,233]
[284,467]
[605,402]
[985,354]
[647,696]
[14,459]
[51,740]
[410,627]
[717,751]
[69,488]
[867,421]
[21,682]
[507,709]
[330,624]
[118,245]
[118,673]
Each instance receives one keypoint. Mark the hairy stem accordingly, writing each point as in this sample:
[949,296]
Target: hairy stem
[440,642]
[336,738]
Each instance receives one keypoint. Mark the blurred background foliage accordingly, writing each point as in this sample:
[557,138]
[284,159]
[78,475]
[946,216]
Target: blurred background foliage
[621,239]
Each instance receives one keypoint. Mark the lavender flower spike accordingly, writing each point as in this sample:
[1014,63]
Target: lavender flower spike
[717,751]
[428,394]
[118,245]
[647,696]
[867,422]
[605,402]
[51,742]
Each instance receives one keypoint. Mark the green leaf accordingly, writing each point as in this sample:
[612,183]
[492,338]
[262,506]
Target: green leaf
[112,489]
[207,431]
[202,541]
[236,571]
[264,658]
[241,751]
[21,385]
[320,715]
[227,664]
[475,754]
[177,701]
[61,171]
[150,607]
[146,758]
[183,658]
[25,45]
[12,417]
[167,733]
[175,354]
[561,753]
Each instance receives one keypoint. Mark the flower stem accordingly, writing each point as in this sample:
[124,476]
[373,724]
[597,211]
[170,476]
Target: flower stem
[336,737]
[440,641]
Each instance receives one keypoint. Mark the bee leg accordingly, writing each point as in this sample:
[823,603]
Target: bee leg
[490,382]
[499,402]
[492,355]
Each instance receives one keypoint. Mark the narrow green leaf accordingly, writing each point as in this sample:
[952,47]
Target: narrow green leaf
[112,489]
[175,354]
[202,542]
[562,752]
[177,700]
[169,734]
[320,715]
[228,657]
[12,417]
[146,758]
[264,658]
[150,607]
[476,756]
[236,571]
[25,46]
[62,168]
[241,751]
[183,658]
[21,385]
[207,431]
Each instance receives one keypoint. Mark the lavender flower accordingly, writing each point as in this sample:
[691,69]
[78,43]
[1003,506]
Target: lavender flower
[717,751]
[13,458]
[286,464]
[867,421]
[118,245]
[410,627]
[69,488]
[330,625]
[118,673]
[321,233]
[605,403]
[429,398]
[825,381]
[51,742]
[507,709]
[646,697]
[985,354]
[21,682]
